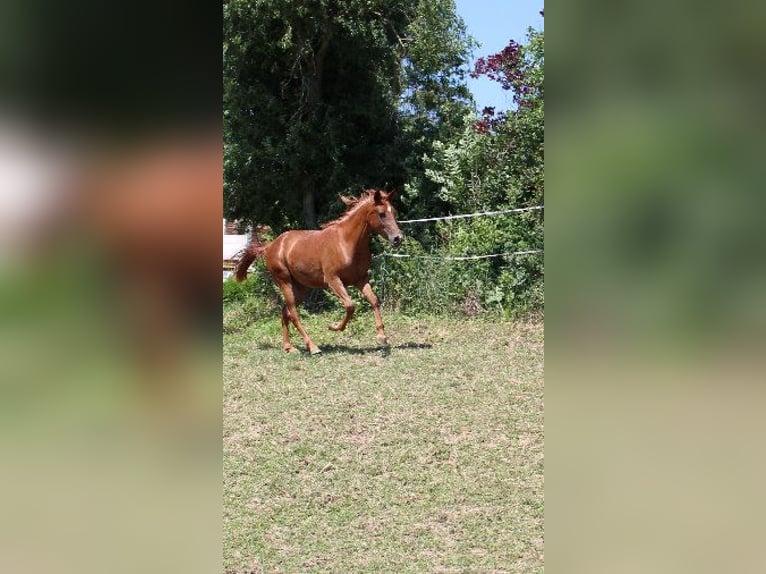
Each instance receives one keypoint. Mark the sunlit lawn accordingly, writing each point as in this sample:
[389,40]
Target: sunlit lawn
[423,457]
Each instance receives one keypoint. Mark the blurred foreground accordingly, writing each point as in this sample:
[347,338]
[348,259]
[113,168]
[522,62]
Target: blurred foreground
[109,345]
[655,308]
[110,210]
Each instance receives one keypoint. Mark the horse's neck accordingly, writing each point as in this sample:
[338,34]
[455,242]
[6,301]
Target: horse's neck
[355,232]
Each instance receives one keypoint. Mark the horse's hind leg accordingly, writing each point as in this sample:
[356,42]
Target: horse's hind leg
[366,289]
[340,290]
[286,345]
[293,295]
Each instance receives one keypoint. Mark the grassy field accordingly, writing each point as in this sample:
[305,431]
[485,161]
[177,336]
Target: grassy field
[423,457]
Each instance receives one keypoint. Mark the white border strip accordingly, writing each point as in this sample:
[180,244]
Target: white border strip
[481,213]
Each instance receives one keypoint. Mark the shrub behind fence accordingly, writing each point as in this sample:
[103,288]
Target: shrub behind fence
[456,267]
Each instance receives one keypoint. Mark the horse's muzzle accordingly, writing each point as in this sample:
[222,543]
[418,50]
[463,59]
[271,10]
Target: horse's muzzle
[396,241]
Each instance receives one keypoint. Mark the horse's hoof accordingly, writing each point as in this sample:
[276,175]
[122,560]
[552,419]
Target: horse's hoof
[336,327]
[316,351]
[291,350]
[383,340]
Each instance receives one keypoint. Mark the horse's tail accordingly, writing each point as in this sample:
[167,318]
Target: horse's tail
[253,251]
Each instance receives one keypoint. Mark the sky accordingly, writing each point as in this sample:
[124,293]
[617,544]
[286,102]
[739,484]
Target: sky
[493,23]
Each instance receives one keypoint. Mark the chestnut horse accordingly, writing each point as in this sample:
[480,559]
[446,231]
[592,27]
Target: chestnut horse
[333,257]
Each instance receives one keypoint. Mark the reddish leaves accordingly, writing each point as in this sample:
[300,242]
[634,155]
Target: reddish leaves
[502,67]
[514,72]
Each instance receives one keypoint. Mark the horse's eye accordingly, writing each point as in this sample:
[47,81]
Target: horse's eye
[382,215]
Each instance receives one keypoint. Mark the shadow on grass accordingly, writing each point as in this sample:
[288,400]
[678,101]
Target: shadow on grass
[326,349]
[414,346]
[385,351]
[348,350]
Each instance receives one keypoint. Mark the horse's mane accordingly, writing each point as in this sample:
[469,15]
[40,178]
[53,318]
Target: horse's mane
[354,204]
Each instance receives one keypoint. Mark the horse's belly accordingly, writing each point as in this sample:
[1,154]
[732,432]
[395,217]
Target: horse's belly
[309,278]
[307,271]
[318,279]
[353,275]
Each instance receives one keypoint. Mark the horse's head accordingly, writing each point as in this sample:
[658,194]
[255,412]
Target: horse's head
[382,217]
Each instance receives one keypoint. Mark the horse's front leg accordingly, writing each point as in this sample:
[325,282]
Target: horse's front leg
[340,290]
[366,289]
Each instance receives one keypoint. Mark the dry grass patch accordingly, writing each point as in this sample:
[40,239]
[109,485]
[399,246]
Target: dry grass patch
[423,457]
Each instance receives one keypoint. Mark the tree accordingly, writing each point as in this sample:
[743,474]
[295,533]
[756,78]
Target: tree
[309,102]
[498,159]
[518,134]
[498,163]
[436,98]
[326,96]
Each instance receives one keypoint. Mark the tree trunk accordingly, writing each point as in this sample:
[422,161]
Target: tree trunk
[309,206]
[313,96]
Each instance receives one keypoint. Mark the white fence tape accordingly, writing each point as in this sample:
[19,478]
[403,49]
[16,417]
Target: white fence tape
[239,253]
[457,257]
[465,215]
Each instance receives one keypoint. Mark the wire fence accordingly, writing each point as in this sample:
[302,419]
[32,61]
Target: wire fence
[437,280]
[457,257]
[478,214]
[465,257]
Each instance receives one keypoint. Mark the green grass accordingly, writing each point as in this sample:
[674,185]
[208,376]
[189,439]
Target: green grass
[423,457]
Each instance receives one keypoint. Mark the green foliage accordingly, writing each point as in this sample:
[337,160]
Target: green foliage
[255,298]
[494,162]
[430,282]
[324,97]
[435,98]
[310,92]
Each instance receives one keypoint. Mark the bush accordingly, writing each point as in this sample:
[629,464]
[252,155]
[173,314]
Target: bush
[429,282]
[257,296]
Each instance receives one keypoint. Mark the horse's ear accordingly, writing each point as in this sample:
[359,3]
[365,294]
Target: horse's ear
[347,200]
[391,194]
[378,197]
